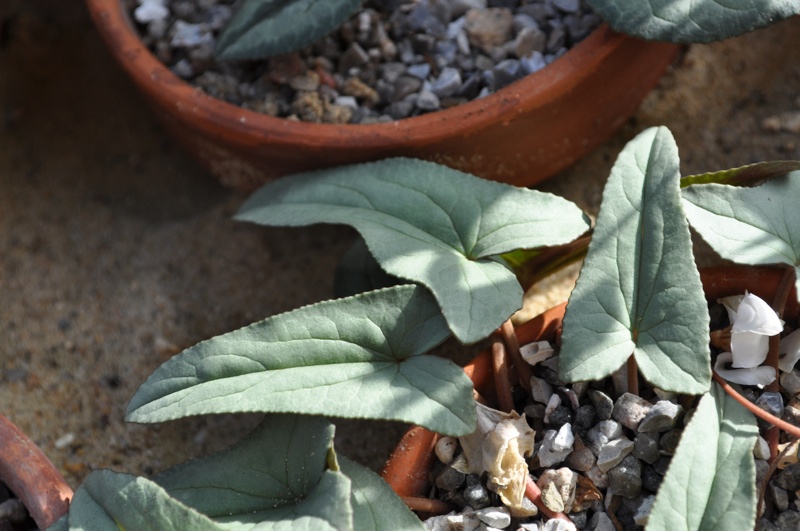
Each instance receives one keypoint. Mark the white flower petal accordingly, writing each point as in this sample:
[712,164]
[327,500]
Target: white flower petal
[754,376]
[789,351]
[755,315]
[749,349]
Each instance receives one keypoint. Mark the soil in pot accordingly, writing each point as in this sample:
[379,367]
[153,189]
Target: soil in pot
[393,60]
[601,455]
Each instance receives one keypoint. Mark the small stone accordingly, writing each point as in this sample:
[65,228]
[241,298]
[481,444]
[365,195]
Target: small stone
[360,90]
[581,458]
[337,114]
[560,416]
[150,10]
[789,478]
[306,82]
[447,83]
[600,522]
[565,481]
[645,447]
[787,121]
[780,498]
[651,480]
[541,390]
[552,404]
[791,414]
[556,39]
[506,72]
[552,498]
[625,479]
[475,494]
[428,101]
[65,440]
[602,404]
[790,381]
[450,479]
[497,517]
[761,448]
[557,524]
[555,446]
[788,521]
[459,7]
[663,416]
[536,352]
[613,453]
[662,464]
[190,35]
[604,431]
[629,410]
[585,418]
[346,101]
[669,441]
[580,519]
[568,6]
[598,477]
[353,57]
[642,513]
[489,28]
[12,511]
[309,106]
[528,41]
[762,467]
[771,403]
[445,449]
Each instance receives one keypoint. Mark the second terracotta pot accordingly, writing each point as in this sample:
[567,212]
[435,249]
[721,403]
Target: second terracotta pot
[522,134]
[408,469]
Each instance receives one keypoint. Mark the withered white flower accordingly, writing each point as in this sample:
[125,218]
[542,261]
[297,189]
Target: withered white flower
[753,321]
[499,446]
[536,352]
[789,351]
[749,376]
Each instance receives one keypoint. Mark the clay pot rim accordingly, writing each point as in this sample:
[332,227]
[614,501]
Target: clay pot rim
[535,90]
[30,475]
[407,468]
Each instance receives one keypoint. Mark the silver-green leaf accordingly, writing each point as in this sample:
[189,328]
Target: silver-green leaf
[261,28]
[639,291]
[108,501]
[429,224]
[710,484]
[753,226]
[375,505]
[277,478]
[688,21]
[359,357]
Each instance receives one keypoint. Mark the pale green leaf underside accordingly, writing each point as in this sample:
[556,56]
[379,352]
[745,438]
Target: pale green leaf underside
[108,501]
[261,28]
[710,484]
[359,357]
[429,224]
[276,476]
[752,226]
[375,505]
[639,292]
[687,21]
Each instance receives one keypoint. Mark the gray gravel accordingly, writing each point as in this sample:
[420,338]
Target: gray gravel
[393,59]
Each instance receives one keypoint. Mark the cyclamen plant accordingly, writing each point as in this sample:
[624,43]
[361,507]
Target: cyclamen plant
[638,304]
[262,28]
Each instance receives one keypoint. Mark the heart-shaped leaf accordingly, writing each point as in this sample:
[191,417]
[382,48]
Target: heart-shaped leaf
[710,483]
[429,224]
[108,501]
[261,28]
[744,175]
[276,477]
[639,292]
[359,357]
[375,505]
[752,226]
[687,21]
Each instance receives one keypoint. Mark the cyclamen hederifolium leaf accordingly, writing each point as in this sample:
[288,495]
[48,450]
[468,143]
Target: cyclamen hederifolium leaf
[429,224]
[753,226]
[688,21]
[108,501]
[359,357]
[276,477]
[375,505]
[639,292]
[261,28]
[710,483]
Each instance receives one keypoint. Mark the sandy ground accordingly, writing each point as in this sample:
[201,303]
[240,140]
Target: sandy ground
[116,250]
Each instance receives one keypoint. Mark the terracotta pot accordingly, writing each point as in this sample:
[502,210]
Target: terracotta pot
[407,470]
[522,134]
[27,472]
